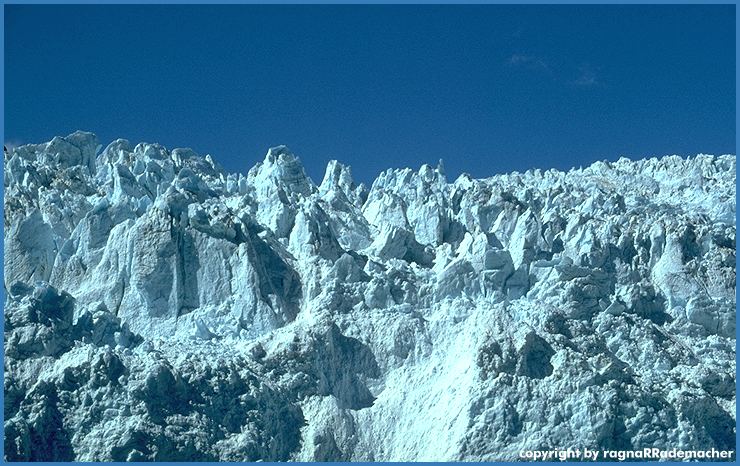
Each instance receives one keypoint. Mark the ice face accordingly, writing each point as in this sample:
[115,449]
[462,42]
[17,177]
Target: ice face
[159,308]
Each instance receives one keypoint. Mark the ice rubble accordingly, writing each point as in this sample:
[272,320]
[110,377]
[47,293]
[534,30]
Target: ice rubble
[159,308]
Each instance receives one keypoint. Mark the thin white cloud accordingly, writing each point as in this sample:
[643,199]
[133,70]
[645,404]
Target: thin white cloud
[586,74]
[528,61]
[587,77]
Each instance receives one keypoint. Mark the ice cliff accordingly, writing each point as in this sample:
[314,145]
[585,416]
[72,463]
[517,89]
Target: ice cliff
[159,308]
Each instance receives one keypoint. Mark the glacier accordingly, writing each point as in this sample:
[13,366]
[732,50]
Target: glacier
[159,308]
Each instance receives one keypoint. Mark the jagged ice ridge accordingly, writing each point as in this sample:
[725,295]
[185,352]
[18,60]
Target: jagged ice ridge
[159,308]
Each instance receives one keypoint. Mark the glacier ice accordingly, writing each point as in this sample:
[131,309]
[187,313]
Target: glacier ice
[159,308]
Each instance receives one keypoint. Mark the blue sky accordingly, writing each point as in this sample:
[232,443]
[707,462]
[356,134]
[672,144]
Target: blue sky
[488,88]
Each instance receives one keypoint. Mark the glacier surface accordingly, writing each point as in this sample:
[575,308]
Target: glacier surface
[159,308]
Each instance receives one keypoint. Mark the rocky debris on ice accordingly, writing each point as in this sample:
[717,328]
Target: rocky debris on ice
[159,308]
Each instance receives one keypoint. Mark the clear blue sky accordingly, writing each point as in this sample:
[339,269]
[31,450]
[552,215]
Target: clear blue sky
[489,89]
